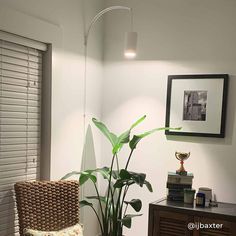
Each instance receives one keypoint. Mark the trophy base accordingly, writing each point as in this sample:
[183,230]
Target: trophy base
[181,172]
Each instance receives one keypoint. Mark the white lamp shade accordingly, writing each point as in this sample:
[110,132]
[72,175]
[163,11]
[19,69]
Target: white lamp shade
[131,39]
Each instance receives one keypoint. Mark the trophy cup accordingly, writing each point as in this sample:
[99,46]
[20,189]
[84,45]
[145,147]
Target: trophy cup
[182,156]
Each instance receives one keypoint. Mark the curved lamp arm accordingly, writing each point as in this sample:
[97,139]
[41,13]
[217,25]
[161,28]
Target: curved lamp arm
[101,13]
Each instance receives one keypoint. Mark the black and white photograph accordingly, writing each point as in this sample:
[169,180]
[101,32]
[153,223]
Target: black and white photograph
[195,103]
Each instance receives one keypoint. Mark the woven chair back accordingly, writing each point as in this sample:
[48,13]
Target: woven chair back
[47,205]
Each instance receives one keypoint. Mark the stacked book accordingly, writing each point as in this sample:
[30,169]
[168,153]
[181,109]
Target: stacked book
[176,184]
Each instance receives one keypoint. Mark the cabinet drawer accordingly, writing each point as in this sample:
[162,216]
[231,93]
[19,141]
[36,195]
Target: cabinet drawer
[171,224]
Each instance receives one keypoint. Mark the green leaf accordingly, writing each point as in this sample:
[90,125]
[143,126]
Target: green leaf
[85,203]
[119,183]
[139,178]
[134,141]
[125,137]
[93,178]
[124,178]
[88,174]
[124,174]
[110,136]
[148,185]
[83,179]
[85,176]
[136,138]
[138,121]
[113,138]
[117,148]
[117,142]
[70,174]
[100,198]
[127,220]
[128,178]
[136,204]
[105,172]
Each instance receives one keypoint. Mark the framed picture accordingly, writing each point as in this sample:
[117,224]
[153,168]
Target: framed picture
[197,103]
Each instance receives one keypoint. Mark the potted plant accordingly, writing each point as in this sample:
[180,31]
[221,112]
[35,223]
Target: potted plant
[113,206]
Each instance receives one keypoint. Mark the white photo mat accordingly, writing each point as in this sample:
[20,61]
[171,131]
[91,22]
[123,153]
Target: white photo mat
[188,92]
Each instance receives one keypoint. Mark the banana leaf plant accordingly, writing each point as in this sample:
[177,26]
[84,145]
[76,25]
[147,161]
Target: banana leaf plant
[112,213]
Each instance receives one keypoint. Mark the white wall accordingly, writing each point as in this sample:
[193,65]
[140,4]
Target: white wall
[175,37]
[68,71]
[70,17]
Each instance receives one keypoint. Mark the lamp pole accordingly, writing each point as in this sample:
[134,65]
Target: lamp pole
[131,39]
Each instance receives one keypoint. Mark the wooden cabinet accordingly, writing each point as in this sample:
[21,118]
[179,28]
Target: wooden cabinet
[175,218]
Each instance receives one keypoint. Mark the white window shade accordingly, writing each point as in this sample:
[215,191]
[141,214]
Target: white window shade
[20,123]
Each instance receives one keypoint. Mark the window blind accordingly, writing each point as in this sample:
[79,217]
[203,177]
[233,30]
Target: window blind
[20,124]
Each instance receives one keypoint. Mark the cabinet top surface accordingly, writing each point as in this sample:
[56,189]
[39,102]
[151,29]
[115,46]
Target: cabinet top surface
[228,209]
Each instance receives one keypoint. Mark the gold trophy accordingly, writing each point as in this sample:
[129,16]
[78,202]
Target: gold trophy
[182,156]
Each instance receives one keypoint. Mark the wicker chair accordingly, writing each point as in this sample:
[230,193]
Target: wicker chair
[47,205]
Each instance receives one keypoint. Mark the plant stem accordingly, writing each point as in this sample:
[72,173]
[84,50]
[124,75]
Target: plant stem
[123,199]
[117,164]
[125,192]
[108,195]
[113,211]
[118,202]
[127,164]
[120,230]
[125,210]
[99,200]
[99,221]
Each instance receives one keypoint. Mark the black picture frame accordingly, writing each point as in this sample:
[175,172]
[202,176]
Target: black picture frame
[200,122]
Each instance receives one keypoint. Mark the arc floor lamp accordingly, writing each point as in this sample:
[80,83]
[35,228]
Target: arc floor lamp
[129,53]
[130,49]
